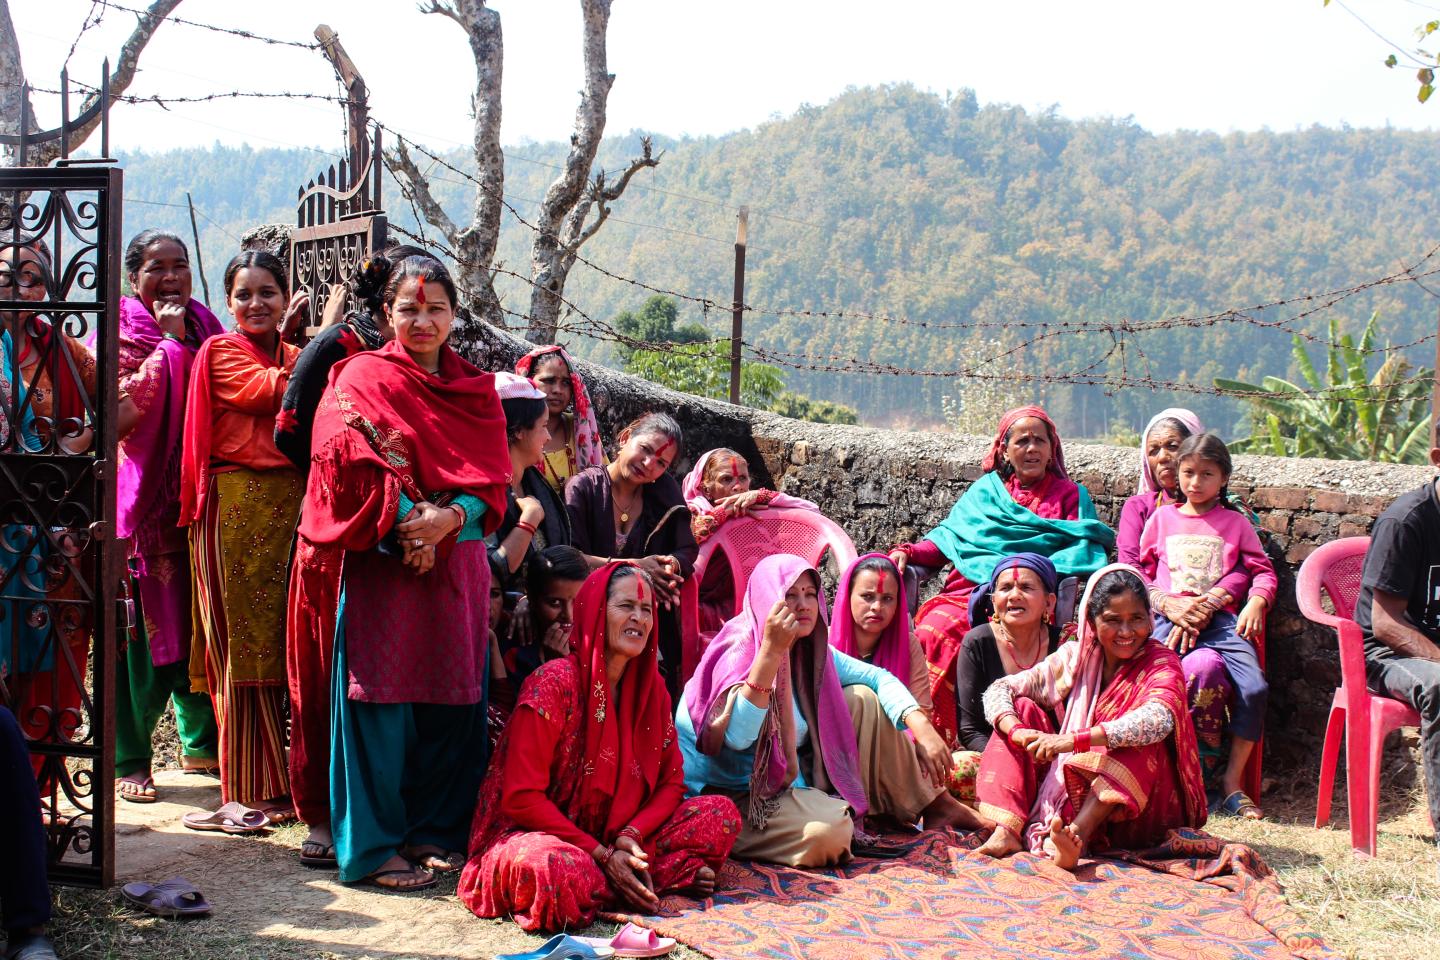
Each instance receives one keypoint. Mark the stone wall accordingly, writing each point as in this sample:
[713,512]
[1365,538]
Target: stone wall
[887,486]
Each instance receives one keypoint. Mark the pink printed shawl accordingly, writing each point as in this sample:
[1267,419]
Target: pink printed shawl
[1192,423]
[694,490]
[149,467]
[588,450]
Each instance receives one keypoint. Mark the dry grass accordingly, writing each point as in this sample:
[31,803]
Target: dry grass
[1382,909]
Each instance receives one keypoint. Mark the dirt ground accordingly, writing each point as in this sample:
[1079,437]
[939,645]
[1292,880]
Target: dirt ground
[268,907]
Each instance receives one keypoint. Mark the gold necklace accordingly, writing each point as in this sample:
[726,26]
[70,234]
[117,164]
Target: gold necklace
[625,511]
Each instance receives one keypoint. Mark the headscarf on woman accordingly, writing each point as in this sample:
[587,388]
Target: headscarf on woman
[1152,674]
[808,675]
[892,653]
[589,452]
[981,599]
[1192,423]
[693,487]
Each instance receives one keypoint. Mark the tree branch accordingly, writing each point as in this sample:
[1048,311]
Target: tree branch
[602,196]
[416,187]
[12,72]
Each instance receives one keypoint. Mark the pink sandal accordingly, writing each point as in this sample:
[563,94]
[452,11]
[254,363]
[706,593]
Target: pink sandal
[634,940]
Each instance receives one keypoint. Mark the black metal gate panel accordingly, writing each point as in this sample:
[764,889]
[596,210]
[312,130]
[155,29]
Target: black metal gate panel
[339,222]
[59,561]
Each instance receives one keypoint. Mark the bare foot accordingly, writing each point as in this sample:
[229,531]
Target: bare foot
[703,885]
[277,809]
[1063,844]
[397,873]
[202,766]
[1002,843]
[946,811]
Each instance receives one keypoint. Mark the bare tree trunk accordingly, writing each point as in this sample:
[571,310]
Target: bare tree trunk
[12,78]
[561,224]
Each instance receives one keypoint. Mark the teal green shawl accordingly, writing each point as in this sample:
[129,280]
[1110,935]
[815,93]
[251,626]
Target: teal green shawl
[987,524]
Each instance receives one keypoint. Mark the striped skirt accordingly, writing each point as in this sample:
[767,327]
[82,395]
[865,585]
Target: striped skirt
[239,550]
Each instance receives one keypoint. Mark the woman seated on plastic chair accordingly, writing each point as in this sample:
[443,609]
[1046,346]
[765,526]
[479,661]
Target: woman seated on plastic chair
[804,737]
[717,490]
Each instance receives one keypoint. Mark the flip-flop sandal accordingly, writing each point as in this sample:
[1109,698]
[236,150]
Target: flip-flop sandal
[562,946]
[453,860]
[634,940]
[231,818]
[323,860]
[129,793]
[1237,803]
[204,770]
[374,879]
[175,898]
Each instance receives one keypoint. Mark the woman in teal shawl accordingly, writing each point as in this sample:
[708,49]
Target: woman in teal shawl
[1025,502]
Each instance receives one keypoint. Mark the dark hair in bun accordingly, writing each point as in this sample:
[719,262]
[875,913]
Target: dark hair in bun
[374,274]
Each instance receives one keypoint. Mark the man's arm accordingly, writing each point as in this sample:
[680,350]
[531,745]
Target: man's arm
[1389,626]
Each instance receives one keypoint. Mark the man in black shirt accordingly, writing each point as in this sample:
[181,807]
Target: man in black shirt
[1399,611]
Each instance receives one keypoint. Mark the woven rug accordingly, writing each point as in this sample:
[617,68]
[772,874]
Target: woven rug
[1194,898]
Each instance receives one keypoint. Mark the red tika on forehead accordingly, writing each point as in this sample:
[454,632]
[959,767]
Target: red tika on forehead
[881,575]
[665,447]
[639,590]
[420,290]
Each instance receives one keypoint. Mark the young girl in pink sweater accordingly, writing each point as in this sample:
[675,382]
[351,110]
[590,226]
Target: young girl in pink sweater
[1185,550]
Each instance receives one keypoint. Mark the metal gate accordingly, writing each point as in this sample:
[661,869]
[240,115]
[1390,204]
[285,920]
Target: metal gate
[339,222]
[59,562]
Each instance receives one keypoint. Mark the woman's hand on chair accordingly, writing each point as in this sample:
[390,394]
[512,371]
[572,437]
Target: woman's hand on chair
[741,504]
[901,559]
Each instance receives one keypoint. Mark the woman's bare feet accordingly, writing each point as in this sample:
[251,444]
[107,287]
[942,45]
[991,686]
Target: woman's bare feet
[946,811]
[1063,844]
[1002,843]
[277,809]
[704,884]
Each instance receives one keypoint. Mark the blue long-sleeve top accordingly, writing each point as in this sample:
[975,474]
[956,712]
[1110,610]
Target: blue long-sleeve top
[730,769]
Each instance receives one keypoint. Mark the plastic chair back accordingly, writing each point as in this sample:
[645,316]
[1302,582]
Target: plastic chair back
[1335,569]
[743,543]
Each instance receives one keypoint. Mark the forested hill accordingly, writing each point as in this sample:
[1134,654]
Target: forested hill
[981,222]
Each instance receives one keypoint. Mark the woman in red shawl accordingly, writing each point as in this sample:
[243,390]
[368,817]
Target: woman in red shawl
[1123,769]
[1024,502]
[584,807]
[239,496]
[408,472]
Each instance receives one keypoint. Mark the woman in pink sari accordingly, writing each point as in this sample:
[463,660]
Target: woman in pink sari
[1123,768]
[161,329]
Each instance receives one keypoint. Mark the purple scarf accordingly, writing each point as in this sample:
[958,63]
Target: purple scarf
[807,675]
[149,469]
[893,651]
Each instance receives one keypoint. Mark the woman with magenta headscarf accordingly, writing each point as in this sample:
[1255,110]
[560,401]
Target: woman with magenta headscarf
[802,736]
[1024,502]
[161,329]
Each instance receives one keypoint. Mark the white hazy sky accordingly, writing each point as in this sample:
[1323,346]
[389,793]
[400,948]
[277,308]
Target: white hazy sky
[691,67]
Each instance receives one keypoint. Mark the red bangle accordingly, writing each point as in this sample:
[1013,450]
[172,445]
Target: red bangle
[1082,741]
[769,689]
[526,526]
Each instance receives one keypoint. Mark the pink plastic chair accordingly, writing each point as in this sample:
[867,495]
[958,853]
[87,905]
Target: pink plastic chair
[746,541]
[1358,715]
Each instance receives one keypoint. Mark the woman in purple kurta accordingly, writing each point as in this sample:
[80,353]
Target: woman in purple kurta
[161,328]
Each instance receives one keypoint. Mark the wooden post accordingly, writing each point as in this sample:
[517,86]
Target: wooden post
[357,111]
[199,260]
[737,307]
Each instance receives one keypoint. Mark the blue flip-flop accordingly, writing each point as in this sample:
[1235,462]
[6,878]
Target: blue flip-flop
[562,946]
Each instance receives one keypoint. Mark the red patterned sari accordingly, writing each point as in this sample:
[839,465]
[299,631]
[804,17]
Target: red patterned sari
[577,768]
[1156,787]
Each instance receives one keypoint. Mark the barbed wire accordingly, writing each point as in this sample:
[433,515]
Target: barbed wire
[215,28]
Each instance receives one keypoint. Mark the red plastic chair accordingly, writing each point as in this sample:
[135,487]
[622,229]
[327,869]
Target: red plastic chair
[1358,715]
[746,541]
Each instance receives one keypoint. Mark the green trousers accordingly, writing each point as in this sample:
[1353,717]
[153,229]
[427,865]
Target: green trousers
[142,691]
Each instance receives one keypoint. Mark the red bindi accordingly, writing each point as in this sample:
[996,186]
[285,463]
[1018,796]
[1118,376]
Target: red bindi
[881,575]
[420,291]
[665,447]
